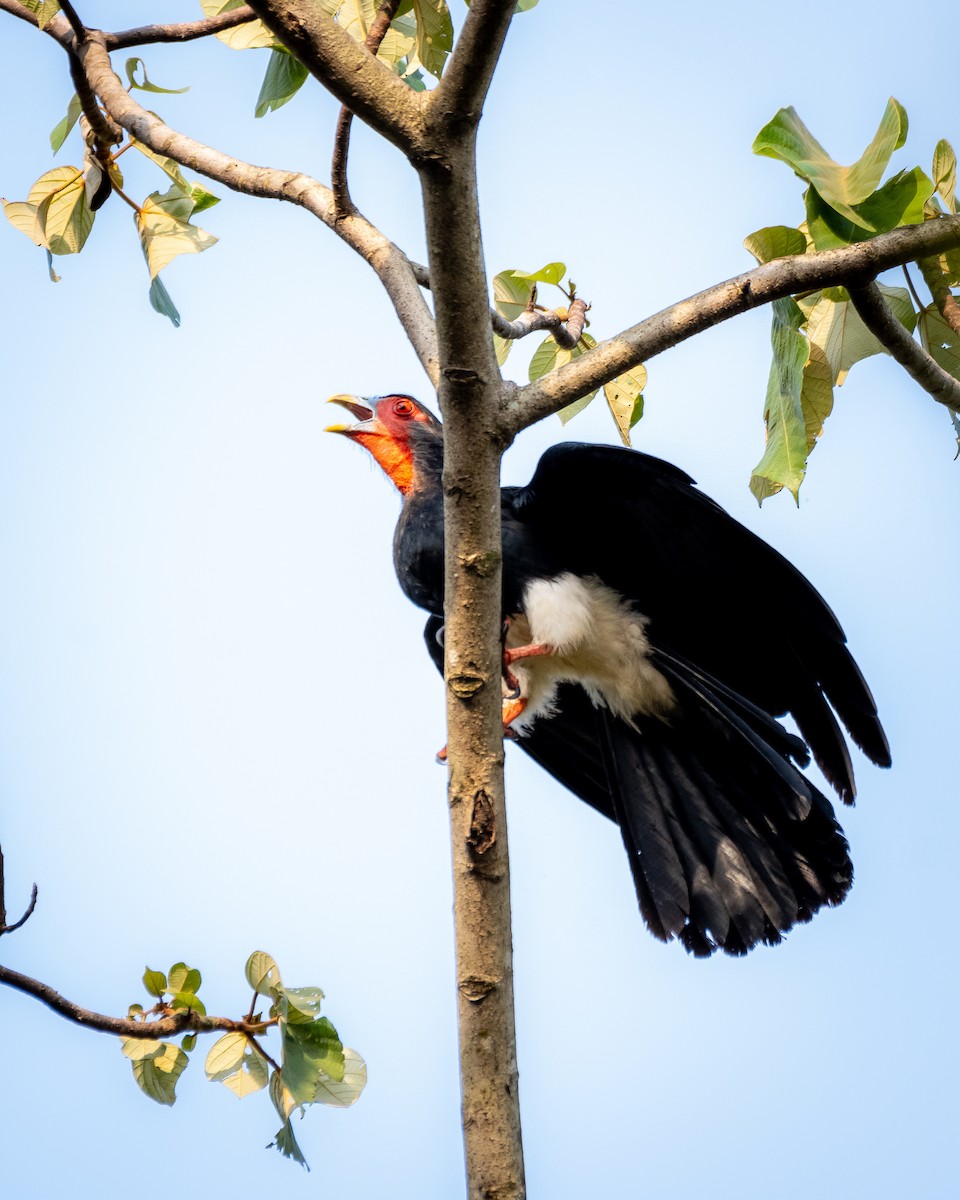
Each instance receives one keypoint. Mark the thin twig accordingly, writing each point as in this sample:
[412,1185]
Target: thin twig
[918,364]
[184,31]
[341,143]
[78,27]
[4,927]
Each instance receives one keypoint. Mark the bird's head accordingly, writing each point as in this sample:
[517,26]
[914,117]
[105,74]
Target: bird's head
[397,431]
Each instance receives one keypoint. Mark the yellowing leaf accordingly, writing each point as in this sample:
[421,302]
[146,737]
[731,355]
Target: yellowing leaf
[940,341]
[624,397]
[165,233]
[61,214]
[253,35]
[156,1066]
[835,326]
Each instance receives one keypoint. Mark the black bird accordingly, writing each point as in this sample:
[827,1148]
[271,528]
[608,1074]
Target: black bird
[651,643]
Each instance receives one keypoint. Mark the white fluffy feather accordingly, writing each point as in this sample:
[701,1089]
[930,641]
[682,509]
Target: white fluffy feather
[598,640]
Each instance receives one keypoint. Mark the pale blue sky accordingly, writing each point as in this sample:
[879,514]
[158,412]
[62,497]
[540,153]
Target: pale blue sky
[217,722]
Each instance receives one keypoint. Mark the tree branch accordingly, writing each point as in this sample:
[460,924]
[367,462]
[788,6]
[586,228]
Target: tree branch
[566,331]
[462,90]
[870,304]
[341,142]
[852,266]
[184,31]
[387,260]
[356,78]
[182,1020]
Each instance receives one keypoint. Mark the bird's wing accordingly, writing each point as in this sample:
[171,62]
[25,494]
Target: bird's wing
[715,595]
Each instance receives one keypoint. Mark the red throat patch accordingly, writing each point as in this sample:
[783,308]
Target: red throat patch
[396,458]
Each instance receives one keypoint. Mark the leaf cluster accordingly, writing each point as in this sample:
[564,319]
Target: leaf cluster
[514,293]
[314,1066]
[818,337]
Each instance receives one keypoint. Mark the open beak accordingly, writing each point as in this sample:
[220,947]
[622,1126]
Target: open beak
[363,413]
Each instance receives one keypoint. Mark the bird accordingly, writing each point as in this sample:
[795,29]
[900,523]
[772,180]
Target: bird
[652,646]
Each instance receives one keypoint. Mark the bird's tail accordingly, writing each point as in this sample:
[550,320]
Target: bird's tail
[729,844]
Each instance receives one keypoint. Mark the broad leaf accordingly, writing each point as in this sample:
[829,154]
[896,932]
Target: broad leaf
[225,1056]
[776,241]
[58,135]
[262,973]
[182,978]
[900,201]
[285,77]
[787,138]
[165,232]
[552,273]
[434,34]
[624,397]
[253,35]
[784,460]
[945,174]
[43,10]
[56,214]
[835,326]
[288,1146]
[343,1093]
[309,1051]
[511,294]
[155,982]
[156,1066]
[300,1004]
[548,356]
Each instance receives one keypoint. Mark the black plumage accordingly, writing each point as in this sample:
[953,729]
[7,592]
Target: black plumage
[728,842]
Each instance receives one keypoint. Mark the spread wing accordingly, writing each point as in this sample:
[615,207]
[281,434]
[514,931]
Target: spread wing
[716,596]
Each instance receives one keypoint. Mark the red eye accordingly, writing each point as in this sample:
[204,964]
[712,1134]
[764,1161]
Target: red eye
[403,408]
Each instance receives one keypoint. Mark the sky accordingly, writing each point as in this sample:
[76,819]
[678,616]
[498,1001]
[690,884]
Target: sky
[217,720]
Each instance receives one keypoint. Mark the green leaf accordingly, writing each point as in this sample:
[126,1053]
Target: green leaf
[511,294]
[399,47]
[188,1000]
[784,460]
[287,1144]
[285,1105]
[182,978]
[939,340]
[310,1050]
[343,1093]
[434,34]
[54,277]
[188,1042]
[135,1010]
[788,139]
[156,1066]
[155,982]
[899,202]
[816,394]
[945,174]
[165,232]
[285,77]
[58,134]
[502,348]
[253,35]
[262,973]
[548,356]
[552,273]
[300,1004]
[835,326]
[135,64]
[624,397]
[43,10]
[776,241]
[161,302]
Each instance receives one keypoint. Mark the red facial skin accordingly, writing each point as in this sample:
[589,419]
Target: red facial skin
[386,434]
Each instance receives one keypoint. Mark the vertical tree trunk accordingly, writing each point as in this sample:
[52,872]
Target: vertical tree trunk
[469,397]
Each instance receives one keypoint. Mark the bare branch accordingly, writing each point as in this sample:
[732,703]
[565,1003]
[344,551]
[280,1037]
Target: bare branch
[182,1020]
[184,31]
[20,11]
[341,142]
[78,27]
[918,364]
[852,266]
[460,95]
[356,78]
[566,331]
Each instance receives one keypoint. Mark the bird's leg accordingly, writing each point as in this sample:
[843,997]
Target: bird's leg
[511,684]
[534,649]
